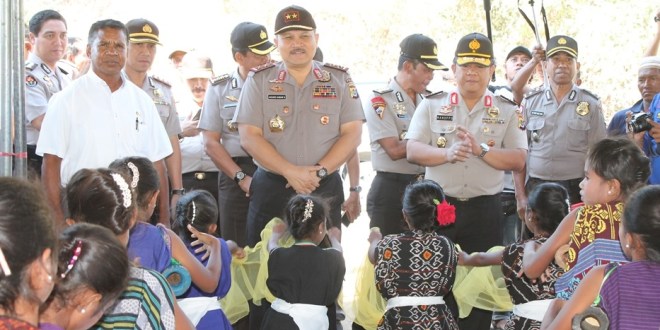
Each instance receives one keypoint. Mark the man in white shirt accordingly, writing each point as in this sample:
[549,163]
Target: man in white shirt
[99,118]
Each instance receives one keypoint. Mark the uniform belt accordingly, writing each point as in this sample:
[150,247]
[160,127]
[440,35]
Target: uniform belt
[242,160]
[452,200]
[201,176]
[400,176]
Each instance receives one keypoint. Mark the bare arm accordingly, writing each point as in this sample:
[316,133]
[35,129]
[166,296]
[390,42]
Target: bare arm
[374,237]
[51,180]
[222,159]
[480,259]
[520,80]
[206,278]
[278,231]
[36,122]
[302,179]
[173,163]
[535,262]
[164,197]
[394,148]
[652,50]
[519,178]
[352,204]
[334,235]
[584,296]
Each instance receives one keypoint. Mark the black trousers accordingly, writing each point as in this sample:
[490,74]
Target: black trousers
[269,195]
[572,186]
[234,204]
[478,227]
[384,202]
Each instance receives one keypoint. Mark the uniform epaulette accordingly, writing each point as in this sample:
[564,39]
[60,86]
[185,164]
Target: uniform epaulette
[262,67]
[161,80]
[219,79]
[435,94]
[506,99]
[590,94]
[383,91]
[63,71]
[335,66]
[534,91]
[30,66]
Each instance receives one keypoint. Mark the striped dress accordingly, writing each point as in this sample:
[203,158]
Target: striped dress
[146,303]
[594,242]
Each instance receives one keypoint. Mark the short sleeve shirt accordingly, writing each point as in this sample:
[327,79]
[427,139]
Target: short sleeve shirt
[161,94]
[301,122]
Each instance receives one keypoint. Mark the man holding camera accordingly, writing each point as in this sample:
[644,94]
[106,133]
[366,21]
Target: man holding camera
[562,121]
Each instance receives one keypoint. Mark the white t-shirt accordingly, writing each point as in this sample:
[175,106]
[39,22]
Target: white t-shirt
[88,126]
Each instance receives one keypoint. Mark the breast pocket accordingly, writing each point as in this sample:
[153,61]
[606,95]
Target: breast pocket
[578,134]
[442,133]
[227,115]
[325,119]
[534,129]
[163,110]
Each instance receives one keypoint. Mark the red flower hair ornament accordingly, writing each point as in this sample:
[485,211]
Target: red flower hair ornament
[446,213]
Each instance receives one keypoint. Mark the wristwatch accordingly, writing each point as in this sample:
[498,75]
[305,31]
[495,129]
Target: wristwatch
[322,173]
[178,191]
[484,149]
[239,176]
[356,189]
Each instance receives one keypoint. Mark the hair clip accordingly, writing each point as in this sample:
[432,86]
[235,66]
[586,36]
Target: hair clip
[4,265]
[136,174]
[74,258]
[192,220]
[125,190]
[309,207]
[446,213]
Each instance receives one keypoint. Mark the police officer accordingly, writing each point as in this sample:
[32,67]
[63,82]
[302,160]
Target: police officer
[563,121]
[388,119]
[300,120]
[43,76]
[251,48]
[143,38]
[467,138]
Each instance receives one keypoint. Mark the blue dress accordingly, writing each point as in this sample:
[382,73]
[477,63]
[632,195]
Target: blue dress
[150,245]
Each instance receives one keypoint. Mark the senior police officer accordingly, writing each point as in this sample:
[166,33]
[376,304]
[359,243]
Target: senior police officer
[300,120]
[43,76]
[563,121]
[143,36]
[251,48]
[467,138]
[388,119]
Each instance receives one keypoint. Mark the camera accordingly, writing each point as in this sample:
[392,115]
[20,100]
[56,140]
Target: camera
[638,122]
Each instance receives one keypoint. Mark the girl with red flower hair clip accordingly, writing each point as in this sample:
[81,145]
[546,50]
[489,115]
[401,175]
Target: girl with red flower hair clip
[416,269]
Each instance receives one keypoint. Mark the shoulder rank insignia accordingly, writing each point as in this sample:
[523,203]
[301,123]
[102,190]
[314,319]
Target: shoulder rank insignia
[262,67]
[161,80]
[30,66]
[506,99]
[534,91]
[435,94]
[590,94]
[382,91]
[219,79]
[335,66]
[63,71]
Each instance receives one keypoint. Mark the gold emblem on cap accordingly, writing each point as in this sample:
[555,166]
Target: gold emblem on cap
[146,28]
[441,142]
[474,45]
[561,41]
[276,124]
[435,50]
[263,34]
[493,112]
[582,108]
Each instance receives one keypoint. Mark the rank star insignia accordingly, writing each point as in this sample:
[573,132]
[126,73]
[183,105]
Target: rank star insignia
[582,108]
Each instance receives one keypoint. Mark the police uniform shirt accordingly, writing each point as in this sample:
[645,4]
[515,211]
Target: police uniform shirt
[193,156]
[161,93]
[219,109]
[123,123]
[41,82]
[560,134]
[495,125]
[388,114]
[301,122]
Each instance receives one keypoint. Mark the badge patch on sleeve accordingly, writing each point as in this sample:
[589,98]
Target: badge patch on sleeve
[378,103]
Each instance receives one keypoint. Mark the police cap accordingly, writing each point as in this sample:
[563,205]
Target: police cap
[561,43]
[474,48]
[141,30]
[251,36]
[420,47]
[294,18]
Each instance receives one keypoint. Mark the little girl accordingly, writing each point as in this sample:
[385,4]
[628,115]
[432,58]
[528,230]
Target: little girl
[199,210]
[92,271]
[547,206]
[304,278]
[613,170]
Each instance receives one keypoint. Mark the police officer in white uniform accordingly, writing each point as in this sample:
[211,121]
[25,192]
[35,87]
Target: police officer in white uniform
[251,48]
[43,76]
[300,120]
[388,119]
[143,37]
[563,121]
[467,138]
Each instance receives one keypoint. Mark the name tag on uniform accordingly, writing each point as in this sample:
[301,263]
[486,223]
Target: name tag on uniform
[492,121]
[444,117]
[276,97]
[538,113]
